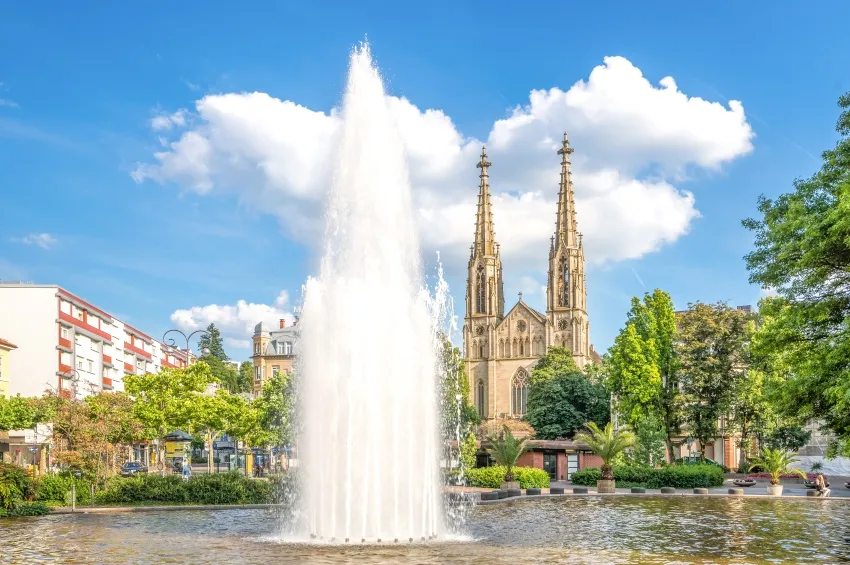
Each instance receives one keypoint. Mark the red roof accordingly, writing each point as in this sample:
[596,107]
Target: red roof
[7,344]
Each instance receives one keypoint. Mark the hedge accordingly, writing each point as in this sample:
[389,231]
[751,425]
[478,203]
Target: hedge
[56,489]
[215,488]
[493,477]
[26,509]
[676,476]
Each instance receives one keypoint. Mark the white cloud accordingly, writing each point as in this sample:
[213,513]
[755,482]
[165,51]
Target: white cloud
[9,103]
[235,322]
[168,121]
[768,292]
[43,240]
[635,142]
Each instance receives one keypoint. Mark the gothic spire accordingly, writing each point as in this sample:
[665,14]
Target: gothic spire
[485,236]
[566,225]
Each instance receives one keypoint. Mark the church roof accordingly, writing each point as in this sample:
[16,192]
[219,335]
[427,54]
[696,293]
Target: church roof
[540,317]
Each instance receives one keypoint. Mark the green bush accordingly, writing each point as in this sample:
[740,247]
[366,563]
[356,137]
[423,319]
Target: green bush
[26,509]
[493,477]
[215,488]
[57,489]
[676,476]
[16,486]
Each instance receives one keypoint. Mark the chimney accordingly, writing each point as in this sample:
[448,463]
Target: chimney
[282,323]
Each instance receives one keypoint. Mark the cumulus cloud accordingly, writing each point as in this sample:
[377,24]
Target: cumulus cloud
[635,143]
[168,121]
[236,321]
[43,240]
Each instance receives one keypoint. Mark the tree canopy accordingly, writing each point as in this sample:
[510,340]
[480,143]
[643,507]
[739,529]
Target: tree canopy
[561,399]
[213,342]
[802,250]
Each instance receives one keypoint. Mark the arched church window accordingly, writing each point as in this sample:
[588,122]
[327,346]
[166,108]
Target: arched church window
[501,348]
[480,291]
[519,392]
[482,405]
[521,349]
[481,351]
[527,346]
[565,277]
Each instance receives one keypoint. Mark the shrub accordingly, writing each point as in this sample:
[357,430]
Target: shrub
[676,476]
[215,488]
[492,477]
[16,486]
[26,509]
[57,489]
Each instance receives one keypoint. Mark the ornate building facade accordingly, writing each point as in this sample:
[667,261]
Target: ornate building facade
[501,349]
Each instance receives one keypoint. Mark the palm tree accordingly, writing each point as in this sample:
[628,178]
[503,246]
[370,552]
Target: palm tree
[607,444]
[506,449]
[775,462]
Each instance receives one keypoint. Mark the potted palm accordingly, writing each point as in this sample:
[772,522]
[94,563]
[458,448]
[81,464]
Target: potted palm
[607,444]
[506,449]
[775,462]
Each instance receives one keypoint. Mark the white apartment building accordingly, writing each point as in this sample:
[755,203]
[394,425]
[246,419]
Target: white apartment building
[68,345]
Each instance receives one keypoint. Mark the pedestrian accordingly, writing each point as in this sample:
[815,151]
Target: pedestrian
[820,485]
[187,471]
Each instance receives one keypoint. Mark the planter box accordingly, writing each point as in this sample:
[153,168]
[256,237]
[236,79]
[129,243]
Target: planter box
[605,487]
[512,484]
[774,490]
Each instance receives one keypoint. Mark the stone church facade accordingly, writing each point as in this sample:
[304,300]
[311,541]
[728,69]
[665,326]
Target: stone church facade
[500,349]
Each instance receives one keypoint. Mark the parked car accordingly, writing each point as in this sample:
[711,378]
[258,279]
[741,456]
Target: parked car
[132,468]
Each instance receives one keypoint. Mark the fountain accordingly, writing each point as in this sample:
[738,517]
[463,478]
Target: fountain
[368,367]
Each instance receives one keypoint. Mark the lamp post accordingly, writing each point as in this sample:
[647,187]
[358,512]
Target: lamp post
[170,341]
[75,377]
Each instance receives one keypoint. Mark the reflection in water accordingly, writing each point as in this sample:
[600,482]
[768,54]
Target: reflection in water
[594,530]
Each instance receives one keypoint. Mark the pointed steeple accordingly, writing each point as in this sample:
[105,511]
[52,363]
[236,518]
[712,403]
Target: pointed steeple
[566,225]
[485,236]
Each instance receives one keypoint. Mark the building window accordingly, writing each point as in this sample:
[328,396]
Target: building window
[256,348]
[93,345]
[275,370]
[65,333]
[79,364]
[482,402]
[91,367]
[519,392]
[480,296]
[257,376]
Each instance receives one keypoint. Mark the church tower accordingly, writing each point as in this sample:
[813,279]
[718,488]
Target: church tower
[485,299]
[566,297]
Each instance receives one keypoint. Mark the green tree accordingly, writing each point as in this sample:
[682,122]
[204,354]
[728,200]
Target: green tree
[711,349]
[275,407]
[223,372]
[245,381]
[561,399]
[213,342]
[212,415]
[776,462]
[752,413]
[457,415]
[650,438]
[468,451]
[788,438]
[506,450]
[163,400]
[607,443]
[17,413]
[802,250]
[643,367]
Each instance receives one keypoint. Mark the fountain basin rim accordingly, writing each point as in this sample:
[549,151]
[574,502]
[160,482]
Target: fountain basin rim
[655,495]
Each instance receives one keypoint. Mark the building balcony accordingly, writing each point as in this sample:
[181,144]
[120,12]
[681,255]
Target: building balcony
[64,369]
[107,360]
[128,368]
[65,344]
[107,383]
[86,328]
[137,350]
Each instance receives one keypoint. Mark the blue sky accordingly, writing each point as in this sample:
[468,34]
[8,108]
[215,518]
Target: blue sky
[80,90]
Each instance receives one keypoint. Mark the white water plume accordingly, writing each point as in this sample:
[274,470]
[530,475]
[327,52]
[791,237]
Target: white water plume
[369,443]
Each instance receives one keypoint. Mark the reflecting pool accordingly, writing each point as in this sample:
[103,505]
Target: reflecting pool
[596,530]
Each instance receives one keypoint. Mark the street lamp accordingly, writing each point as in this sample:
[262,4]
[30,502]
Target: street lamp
[172,343]
[75,377]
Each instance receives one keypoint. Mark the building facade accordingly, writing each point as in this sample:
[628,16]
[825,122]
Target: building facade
[68,345]
[273,351]
[6,348]
[501,349]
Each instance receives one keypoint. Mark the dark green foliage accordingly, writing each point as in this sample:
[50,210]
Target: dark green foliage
[213,342]
[561,399]
[16,486]
[245,381]
[802,249]
[493,477]
[223,372]
[56,489]
[215,488]
[788,438]
[26,509]
[676,476]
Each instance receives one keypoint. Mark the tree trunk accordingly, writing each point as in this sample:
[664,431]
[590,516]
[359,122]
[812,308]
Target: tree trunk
[210,454]
[670,456]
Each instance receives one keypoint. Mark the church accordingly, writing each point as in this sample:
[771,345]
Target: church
[501,349]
